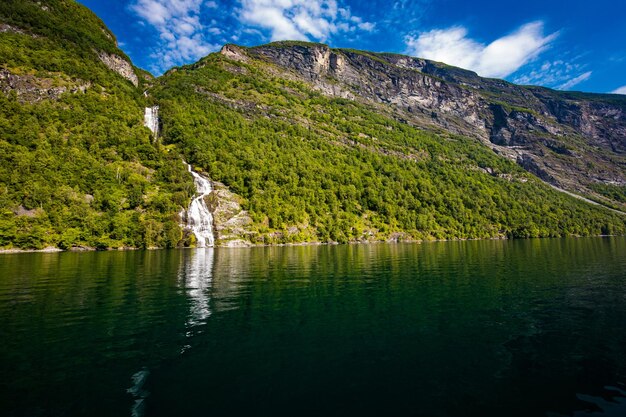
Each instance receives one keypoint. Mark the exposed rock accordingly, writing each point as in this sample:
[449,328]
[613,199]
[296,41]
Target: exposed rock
[236,243]
[43,6]
[108,35]
[231,223]
[565,138]
[5,28]
[314,62]
[531,165]
[248,106]
[31,89]
[82,249]
[119,65]
[399,237]
[234,52]
[23,211]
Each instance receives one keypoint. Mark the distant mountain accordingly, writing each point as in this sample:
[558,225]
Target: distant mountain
[303,143]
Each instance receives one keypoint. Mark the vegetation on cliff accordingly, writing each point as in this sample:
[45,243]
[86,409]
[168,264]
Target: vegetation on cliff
[314,168]
[78,168]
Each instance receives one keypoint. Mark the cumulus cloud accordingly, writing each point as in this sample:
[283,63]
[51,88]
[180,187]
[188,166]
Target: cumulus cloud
[500,58]
[575,81]
[621,90]
[301,19]
[181,34]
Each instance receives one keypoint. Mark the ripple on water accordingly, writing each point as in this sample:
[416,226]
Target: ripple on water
[457,328]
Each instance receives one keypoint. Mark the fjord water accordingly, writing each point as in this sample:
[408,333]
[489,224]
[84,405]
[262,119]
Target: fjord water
[484,328]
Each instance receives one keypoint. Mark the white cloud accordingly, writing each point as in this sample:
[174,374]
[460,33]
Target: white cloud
[301,19]
[575,81]
[621,90]
[553,73]
[367,26]
[181,36]
[500,58]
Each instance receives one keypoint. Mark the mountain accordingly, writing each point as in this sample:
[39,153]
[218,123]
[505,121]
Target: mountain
[336,145]
[303,143]
[77,167]
[576,141]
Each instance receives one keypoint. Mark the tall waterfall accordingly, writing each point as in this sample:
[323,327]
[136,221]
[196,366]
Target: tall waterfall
[199,218]
[151,119]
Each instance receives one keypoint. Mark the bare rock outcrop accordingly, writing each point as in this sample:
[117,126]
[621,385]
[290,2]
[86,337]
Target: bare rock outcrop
[234,52]
[119,65]
[31,89]
[22,211]
[232,225]
[571,139]
[5,28]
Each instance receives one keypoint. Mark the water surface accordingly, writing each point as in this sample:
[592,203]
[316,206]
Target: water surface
[485,328]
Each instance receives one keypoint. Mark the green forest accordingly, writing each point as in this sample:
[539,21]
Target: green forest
[78,168]
[313,168]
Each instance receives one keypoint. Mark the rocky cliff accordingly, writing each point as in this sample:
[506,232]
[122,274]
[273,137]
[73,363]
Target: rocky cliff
[572,140]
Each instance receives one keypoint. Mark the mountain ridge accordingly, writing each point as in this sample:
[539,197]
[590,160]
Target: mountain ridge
[303,143]
[541,120]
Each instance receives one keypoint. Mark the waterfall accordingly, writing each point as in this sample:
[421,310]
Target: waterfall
[199,218]
[151,119]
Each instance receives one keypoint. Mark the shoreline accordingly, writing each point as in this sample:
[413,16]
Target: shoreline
[52,249]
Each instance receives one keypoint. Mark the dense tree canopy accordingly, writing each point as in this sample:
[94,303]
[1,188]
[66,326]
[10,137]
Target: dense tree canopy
[78,168]
[316,168]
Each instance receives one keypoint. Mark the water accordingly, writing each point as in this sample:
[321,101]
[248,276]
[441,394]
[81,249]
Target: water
[151,119]
[199,218]
[494,328]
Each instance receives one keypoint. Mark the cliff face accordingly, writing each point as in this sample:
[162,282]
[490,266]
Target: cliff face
[572,140]
[119,65]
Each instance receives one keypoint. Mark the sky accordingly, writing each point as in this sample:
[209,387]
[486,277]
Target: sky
[577,45]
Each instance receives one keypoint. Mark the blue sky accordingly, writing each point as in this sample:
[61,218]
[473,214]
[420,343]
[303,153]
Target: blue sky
[571,45]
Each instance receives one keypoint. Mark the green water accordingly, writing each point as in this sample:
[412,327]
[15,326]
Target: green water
[491,328]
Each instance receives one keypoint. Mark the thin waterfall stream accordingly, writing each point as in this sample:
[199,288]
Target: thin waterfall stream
[151,119]
[199,217]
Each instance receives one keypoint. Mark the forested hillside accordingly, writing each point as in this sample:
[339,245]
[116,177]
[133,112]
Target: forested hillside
[318,168]
[77,167]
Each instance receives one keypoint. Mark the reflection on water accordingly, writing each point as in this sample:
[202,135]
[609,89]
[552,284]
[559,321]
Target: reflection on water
[195,277]
[611,404]
[138,392]
[522,328]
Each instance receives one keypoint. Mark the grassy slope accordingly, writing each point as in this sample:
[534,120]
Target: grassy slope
[318,169]
[83,168]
